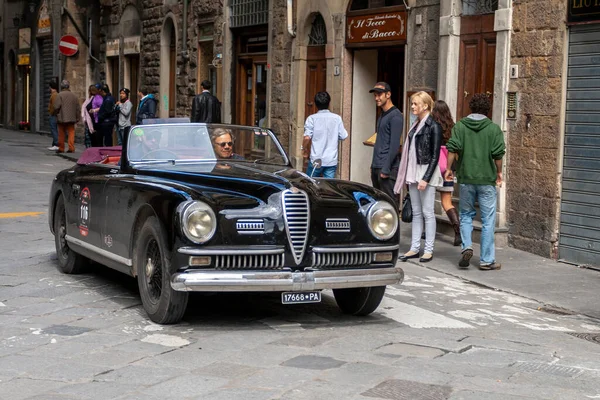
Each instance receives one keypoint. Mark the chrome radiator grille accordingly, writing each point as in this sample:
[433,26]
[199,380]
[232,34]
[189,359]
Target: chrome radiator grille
[297,218]
[259,261]
[328,260]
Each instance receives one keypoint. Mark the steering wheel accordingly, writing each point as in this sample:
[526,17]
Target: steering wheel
[169,153]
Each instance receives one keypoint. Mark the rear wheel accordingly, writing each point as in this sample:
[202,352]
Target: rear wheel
[153,264]
[359,301]
[69,262]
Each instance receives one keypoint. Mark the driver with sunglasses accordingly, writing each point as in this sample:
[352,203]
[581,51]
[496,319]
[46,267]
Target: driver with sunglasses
[222,140]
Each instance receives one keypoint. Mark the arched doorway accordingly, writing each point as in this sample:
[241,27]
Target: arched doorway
[379,57]
[316,66]
[316,63]
[168,65]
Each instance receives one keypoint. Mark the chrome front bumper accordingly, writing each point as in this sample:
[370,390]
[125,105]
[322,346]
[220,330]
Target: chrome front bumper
[281,281]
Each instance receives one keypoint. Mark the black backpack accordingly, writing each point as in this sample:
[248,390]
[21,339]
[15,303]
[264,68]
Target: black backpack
[114,115]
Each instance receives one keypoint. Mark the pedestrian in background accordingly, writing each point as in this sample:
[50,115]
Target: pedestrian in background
[479,145]
[66,107]
[419,169]
[206,107]
[442,115]
[321,134]
[384,167]
[94,108]
[107,118]
[52,115]
[86,117]
[146,107]
[124,106]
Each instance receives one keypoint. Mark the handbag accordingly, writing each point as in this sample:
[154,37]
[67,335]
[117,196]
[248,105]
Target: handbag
[406,215]
[443,160]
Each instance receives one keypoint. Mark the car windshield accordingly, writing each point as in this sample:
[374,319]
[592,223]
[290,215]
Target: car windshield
[199,142]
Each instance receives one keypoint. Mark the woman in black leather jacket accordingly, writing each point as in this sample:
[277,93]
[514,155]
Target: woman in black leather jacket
[420,171]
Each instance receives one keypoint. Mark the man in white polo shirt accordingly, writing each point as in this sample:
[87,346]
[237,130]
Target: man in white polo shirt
[321,133]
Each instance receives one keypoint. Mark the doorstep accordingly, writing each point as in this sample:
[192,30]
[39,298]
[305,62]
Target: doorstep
[444,227]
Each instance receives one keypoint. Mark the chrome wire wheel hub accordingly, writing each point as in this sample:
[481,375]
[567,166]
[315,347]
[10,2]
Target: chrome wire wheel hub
[149,270]
[62,237]
[153,270]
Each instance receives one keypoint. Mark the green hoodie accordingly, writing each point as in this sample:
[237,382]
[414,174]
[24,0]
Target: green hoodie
[478,142]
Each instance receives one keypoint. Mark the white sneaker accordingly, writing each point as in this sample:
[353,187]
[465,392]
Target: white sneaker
[53,148]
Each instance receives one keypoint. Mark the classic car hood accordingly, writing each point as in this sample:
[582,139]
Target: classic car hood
[262,180]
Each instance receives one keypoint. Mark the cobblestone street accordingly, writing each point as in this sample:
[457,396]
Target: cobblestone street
[436,336]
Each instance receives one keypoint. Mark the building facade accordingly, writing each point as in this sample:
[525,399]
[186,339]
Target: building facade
[267,58]
[29,48]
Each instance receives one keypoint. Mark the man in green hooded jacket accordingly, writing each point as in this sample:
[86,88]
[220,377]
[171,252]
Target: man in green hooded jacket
[477,144]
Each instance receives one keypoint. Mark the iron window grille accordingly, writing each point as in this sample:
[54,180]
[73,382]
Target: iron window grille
[318,32]
[249,12]
[479,7]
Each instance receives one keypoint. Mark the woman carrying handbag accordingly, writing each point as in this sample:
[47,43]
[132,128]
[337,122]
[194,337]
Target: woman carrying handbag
[420,171]
[442,115]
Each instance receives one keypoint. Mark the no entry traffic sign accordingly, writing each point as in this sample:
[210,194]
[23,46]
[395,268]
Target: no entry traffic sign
[68,45]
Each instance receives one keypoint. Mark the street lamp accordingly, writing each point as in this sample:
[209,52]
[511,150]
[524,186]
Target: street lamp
[17,20]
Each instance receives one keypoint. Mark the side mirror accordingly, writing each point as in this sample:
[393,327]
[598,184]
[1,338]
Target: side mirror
[316,165]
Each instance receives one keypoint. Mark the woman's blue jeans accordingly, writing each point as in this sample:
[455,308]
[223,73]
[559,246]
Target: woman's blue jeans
[486,196]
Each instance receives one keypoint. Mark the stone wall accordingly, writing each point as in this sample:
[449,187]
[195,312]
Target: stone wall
[153,14]
[75,68]
[423,46]
[281,58]
[538,45]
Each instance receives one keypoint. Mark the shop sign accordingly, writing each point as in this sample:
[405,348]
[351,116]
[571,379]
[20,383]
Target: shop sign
[44,27]
[584,10]
[23,59]
[112,48]
[374,28]
[131,45]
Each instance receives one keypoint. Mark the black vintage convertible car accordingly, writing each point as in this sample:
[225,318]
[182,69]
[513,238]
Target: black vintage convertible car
[219,208]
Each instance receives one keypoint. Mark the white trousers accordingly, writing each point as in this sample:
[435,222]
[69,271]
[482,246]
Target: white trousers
[422,208]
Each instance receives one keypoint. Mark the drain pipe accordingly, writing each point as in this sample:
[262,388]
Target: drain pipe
[290,18]
[184,50]
[90,41]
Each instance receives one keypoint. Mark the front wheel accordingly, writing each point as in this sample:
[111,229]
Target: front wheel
[69,262]
[359,301]
[153,265]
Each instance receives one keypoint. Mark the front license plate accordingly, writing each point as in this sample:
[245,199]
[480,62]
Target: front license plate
[300,297]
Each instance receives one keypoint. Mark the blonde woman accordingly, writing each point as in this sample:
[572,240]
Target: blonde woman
[420,171]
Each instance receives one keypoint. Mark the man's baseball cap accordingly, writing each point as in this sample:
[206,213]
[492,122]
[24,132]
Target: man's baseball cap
[381,87]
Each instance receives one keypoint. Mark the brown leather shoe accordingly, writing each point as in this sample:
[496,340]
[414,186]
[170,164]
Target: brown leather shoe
[490,267]
[465,258]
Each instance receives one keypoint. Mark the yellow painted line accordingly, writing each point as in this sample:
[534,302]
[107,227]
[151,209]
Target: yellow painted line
[21,214]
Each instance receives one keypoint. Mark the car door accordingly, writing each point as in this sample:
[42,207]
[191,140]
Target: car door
[87,205]
[121,211]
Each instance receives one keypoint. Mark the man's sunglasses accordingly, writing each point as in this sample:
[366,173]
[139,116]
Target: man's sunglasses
[223,144]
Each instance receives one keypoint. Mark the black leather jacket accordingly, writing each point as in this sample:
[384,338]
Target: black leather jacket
[205,108]
[429,142]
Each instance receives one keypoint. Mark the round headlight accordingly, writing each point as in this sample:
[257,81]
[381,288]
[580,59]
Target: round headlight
[199,222]
[382,220]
